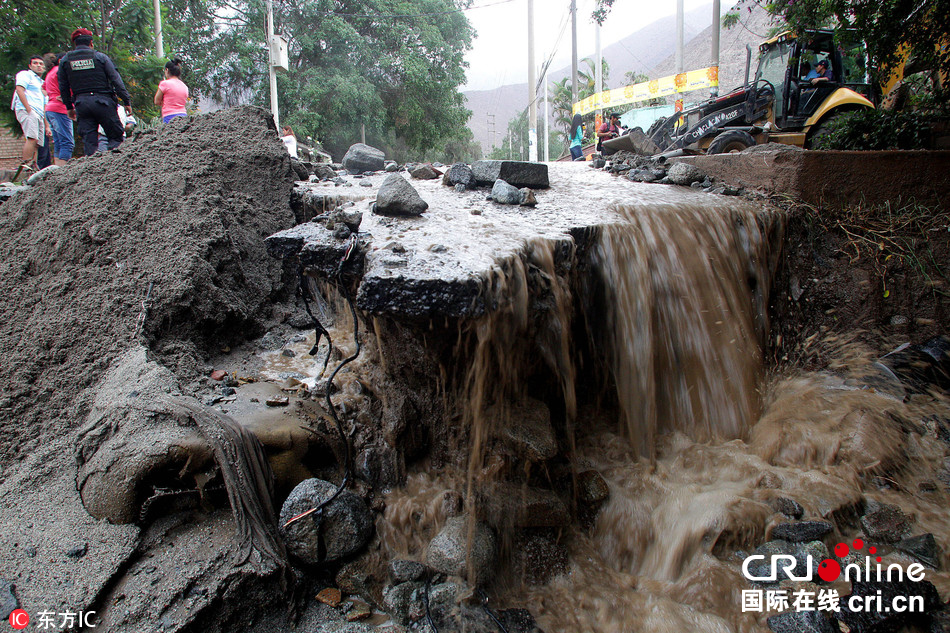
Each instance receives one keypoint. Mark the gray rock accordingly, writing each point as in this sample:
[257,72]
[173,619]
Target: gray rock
[424,172]
[42,175]
[523,506]
[528,431]
[802,622]
[592,490]
[399,600]
[361,158]
[642,143]
[461,174]
[505,193]
[8,601]
[401,570]
[460,188]
[598,163]
[396,197]
[788,507]
[801,551]
[9,191]
[78,551]
[322,171]
[527,198]
[300,170]
[802,531]
[885,524]
[886,620]
[685,174]
[444,597]
[516,173]
[342,528]
[923,548]
[391,166]
[449,552]
[366,183]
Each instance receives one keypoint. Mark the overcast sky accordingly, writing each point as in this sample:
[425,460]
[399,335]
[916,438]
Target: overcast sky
[499,54]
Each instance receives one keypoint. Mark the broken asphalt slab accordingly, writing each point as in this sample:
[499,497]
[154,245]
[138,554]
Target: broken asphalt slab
[438,264]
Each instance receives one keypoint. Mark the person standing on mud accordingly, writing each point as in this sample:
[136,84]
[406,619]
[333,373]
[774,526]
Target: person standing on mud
[88,86]
[172,93]
[57,116]
[29,104]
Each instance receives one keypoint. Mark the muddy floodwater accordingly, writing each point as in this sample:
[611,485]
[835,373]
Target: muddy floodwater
[652,364]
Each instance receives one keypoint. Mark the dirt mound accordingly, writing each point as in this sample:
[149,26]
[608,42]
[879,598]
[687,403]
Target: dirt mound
[174,218]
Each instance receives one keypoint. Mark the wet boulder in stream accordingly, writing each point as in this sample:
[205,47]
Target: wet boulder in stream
[341,529]
[449,551]
[396,197]
[516,173]
[361,158]
[505,193]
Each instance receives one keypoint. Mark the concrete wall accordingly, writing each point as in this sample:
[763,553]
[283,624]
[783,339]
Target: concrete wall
[837,178]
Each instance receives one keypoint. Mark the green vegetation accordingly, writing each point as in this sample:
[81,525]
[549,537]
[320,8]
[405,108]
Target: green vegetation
[877,130]
[393,66]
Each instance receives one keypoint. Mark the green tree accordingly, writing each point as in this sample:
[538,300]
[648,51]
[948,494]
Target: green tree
[393,66]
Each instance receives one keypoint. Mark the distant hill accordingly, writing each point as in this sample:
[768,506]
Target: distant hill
[752,29]
[639,51]
[650,48]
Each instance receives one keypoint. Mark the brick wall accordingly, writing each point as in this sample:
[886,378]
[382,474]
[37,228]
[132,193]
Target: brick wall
[11,149]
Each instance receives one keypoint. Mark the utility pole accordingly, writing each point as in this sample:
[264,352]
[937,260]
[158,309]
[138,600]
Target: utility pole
[573,51]
[717,21]
[271,72]
[491,129]
[547,118]
[532,90]
[679,49]
[159,44]
[511,145]
[599,71]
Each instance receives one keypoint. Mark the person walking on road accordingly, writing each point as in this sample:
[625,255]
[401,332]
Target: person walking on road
[88,86]
[29,104]
[577,138]
[172,93]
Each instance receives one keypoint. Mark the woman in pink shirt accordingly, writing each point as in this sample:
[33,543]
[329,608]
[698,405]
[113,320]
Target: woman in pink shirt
[59,122]
[172,94]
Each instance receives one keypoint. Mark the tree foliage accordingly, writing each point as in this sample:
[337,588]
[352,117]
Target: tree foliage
[393,66]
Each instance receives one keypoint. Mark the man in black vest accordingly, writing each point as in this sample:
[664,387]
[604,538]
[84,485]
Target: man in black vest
[88,85]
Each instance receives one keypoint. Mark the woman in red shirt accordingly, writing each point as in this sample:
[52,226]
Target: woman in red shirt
[172,94]
[59,122]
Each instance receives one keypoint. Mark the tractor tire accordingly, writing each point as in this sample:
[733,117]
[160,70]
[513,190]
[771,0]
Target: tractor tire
[730,142]
[820,130]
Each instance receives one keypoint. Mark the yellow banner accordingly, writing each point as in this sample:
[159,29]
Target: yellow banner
[683,82]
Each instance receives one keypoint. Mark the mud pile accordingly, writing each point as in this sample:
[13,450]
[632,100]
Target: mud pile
[137,264]
[175,219]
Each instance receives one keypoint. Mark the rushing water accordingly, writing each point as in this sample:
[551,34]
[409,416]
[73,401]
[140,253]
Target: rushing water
[702,437]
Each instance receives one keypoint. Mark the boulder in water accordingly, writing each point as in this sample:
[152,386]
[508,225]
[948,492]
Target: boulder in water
[361,158]
[449,550]
[342,528]
[505,193]
[802,531]
[885,524]
[517,173]
[424,172]
[460,174]
[397,197]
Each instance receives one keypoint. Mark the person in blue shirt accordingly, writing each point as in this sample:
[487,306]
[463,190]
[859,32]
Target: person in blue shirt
[577,138]
[821,72]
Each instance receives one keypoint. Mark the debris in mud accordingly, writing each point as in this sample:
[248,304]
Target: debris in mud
[340,529]
[464,549]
